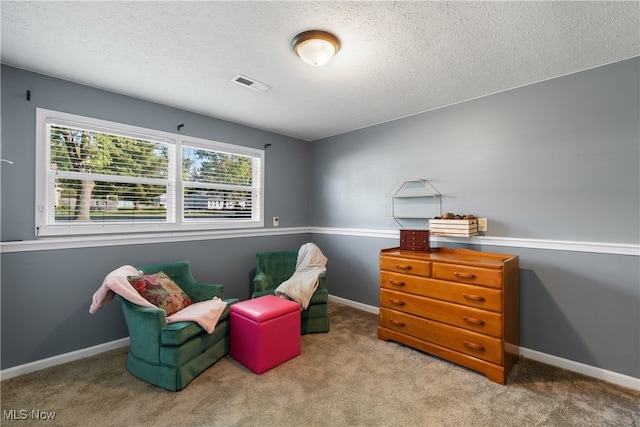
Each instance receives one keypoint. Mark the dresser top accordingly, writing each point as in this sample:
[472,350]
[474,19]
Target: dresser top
[457,256]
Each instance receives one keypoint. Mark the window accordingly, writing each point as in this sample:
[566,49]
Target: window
[94,176]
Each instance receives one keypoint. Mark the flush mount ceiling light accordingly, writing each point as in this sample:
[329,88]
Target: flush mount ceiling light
[315,47]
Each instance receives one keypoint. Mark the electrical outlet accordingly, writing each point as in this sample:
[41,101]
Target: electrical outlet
[483,224]
[276,221]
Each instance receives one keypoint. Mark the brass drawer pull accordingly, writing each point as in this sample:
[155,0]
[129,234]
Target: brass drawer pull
[473,320]
[464,275]
[396,301]
[396,283]
[472,297]
[403,266]
[473,345]
[397,322]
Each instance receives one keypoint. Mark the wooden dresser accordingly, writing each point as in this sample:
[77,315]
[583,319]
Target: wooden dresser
[457,304]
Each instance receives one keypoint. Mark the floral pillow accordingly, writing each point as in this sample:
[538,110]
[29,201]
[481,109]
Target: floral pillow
[161,291]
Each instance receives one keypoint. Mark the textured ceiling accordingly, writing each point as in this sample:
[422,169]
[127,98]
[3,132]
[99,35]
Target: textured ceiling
[397,58]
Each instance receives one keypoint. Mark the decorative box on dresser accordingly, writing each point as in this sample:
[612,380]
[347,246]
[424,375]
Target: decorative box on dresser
[457,304]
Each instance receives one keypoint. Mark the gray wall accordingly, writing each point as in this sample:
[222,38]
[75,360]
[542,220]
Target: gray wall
[286,161]
[554,160]
[46,294]
[558,160]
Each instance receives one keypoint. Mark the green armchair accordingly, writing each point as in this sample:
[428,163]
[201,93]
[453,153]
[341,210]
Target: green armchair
[171,355]
[272,269]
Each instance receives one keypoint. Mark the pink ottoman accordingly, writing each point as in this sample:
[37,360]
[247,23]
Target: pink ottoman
[265,332]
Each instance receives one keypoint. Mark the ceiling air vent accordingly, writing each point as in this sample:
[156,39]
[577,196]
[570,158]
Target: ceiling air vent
[250,83]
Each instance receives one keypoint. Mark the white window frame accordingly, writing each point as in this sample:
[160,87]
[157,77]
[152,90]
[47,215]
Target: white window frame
[44,219]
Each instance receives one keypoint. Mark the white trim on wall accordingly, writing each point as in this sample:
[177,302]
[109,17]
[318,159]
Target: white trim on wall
[570,365]
[123,240]
[558,245]
[54,243]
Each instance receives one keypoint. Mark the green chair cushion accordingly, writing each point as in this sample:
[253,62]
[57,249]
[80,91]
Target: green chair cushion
[180,332]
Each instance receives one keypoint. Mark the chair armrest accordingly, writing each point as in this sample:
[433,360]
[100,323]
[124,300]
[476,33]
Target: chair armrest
[261,282]
[321,281]
[145,325]
[204,292]
[261,285]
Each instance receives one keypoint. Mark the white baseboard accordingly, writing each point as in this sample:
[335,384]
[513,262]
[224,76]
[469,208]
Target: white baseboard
[15,371]
[570,365]
[581,368]
[354,304]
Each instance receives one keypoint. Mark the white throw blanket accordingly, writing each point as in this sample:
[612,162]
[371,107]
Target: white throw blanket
[204,313]
[116,283]
[304,282]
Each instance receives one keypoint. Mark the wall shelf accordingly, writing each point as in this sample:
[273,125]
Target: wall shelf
[413,199]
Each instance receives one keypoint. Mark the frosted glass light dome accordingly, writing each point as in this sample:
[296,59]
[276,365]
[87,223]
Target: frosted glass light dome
[316,47]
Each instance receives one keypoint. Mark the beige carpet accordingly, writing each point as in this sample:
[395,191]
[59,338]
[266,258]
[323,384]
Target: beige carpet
[346,377]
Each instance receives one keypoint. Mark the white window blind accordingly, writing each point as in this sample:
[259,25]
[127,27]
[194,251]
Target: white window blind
[218,185]
[97,177]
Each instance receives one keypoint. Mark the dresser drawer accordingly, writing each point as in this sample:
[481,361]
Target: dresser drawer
[474,344]
[406,265]
[467,274]
[473,319]
[469,295]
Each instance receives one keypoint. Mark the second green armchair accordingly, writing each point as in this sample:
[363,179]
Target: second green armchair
[273,268]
